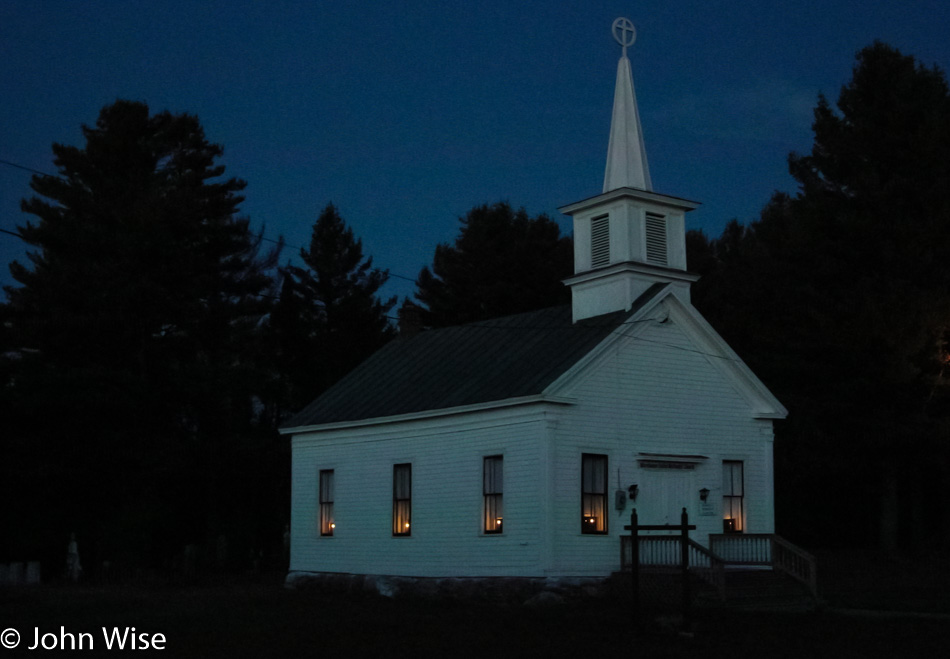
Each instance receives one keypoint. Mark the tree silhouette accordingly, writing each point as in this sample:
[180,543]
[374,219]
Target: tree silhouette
[838,298]
[502,262]
[129,328]
[329,317]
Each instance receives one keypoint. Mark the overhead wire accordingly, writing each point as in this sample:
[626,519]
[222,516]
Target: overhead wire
[411,279]
[28,169]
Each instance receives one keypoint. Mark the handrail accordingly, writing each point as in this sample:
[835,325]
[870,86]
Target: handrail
[767,549]
[795,562]
[742,548]
[709,567]
[665,551]
[626,547]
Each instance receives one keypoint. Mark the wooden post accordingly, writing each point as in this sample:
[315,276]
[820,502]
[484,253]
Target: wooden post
[684,562]
[635,565]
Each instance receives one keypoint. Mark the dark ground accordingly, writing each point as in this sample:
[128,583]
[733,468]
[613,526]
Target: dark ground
[257,617]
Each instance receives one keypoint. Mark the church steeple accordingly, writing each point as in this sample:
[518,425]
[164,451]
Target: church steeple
[626,157]
[629,237]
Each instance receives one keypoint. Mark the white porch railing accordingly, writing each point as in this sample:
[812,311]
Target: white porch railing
[724,550]
[666,551]
[767,549]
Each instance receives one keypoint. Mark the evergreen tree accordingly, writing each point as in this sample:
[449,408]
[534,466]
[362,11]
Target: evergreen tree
[838,298]
[328,318]
[502,262]
[130,324]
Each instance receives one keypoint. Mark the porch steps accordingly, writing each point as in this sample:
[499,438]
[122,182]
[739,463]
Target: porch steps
[759,589]
[746,589]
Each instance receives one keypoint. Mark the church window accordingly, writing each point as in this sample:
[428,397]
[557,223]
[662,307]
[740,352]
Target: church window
[493,493]
[402,499]
[733,495]
[327,525]
[593,493]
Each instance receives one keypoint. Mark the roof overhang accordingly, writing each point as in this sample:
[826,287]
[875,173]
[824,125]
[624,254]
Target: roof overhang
[630,193]
[656,272]
[431,414]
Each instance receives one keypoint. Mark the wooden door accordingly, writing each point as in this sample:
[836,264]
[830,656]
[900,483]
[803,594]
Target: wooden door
[663,495]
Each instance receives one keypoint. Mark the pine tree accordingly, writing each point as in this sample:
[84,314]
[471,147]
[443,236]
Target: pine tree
[130,323]
[329,317]
[838,298]
[502,262]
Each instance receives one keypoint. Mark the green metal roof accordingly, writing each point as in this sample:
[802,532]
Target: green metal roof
[479,362]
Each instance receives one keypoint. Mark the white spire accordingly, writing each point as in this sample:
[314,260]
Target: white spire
[626,158]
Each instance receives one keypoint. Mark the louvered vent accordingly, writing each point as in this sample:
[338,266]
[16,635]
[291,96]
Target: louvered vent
[656,239]
[599,241]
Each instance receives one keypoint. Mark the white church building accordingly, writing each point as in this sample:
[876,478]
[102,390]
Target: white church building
[517,447]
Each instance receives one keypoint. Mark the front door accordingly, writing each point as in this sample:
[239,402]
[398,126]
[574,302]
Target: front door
[663,495]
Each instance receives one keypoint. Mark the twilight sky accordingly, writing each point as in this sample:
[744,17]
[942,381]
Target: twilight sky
[406,114]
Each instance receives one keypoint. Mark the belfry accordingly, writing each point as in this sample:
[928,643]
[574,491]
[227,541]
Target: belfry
[629,237]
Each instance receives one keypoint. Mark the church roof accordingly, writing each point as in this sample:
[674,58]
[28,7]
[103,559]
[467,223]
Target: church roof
[480,362]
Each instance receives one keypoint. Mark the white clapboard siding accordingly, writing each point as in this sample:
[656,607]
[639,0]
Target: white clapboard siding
[654,390]
[446,458]
[654,393]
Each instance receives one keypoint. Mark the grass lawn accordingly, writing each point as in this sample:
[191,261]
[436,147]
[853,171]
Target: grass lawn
[262,619]
[867,580]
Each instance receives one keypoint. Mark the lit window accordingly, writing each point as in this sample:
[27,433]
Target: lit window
[492,491]
[732,496]
[402,499]
[593,493]
[326,502]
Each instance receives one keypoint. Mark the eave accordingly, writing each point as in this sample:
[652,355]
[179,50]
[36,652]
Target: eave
[677,203]
[636,267]
[432,414]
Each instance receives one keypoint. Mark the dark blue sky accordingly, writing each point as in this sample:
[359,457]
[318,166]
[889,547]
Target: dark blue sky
[406,114]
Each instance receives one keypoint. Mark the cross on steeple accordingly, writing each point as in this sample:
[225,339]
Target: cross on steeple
[626,155]
[624,33]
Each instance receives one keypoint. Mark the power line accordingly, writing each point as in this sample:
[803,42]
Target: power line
[619,331]
[392,274]
[411,279]
[674,346]
[29,169]
[397,276]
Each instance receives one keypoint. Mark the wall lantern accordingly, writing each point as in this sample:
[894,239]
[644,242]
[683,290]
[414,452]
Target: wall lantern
[632,491]
[704,494]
